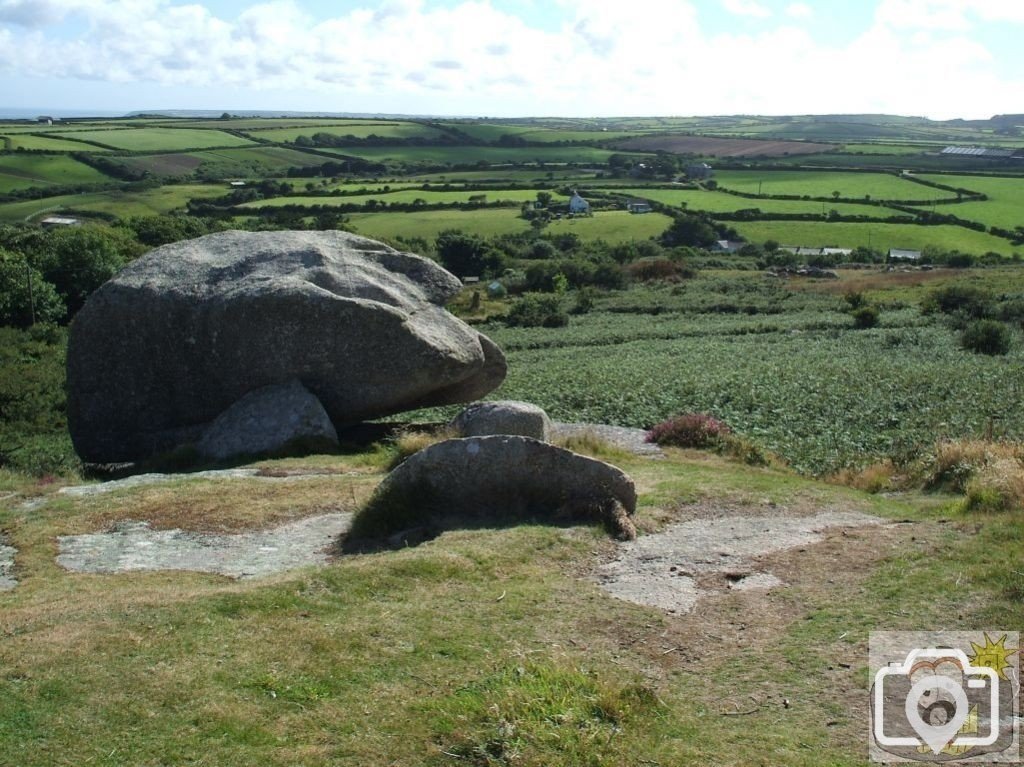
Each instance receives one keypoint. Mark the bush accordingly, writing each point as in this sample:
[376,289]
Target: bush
[865,317]
[959,299]
[697,430]
[986,337]
[650,270]
[25,297]
[537,310]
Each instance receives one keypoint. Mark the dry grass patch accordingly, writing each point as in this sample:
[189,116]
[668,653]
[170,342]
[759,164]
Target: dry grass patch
[990,474]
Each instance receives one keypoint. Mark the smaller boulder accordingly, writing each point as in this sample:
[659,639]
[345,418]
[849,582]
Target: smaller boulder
[481,481]
[267,420]
[484,419]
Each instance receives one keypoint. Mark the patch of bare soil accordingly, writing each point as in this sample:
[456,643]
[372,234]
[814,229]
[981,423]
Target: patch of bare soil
[722,147]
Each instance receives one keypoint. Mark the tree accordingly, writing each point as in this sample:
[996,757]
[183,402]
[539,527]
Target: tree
[25,297]
[467,254]
[688,229]
[544,198]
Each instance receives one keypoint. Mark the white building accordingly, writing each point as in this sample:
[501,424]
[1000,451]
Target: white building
[577,204]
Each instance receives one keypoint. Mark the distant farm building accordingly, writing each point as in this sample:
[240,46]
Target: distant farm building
[699,171]
[54,221]
[577,205]
[987,153]
[45,119]
[638,206]
[896,254]
[813,252]
[726,246]
[237,183]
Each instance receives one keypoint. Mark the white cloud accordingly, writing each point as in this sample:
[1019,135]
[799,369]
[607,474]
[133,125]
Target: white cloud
[473,58]
[746,8]
[799,11]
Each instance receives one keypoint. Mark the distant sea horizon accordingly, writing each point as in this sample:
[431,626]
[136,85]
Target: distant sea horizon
[12,113]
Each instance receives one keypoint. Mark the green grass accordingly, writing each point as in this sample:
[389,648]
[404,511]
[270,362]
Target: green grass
[1004,207]
[722,202]
[403,197]
[823,183]
[275,160]
[120,203]
[46,143]
[156,138]
[498,175]
[397,130]
[613,226]
[469,155]
[26,171]
[880,236]
[895,149]
[430,223]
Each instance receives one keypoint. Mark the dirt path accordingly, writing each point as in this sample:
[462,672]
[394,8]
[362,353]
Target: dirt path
[672,569]
[134,546]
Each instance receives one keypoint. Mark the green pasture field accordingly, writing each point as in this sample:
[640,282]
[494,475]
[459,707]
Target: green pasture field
[721,202]
[396,130]
[1003,208]
[123,204]
[20,141]
[259,123]
[498,175]
[468,155]
[429,223]
[612,226]
[813,234]
[275,159]
[403,196]
[489,131]
[24,171]
[879,186]
[158,138]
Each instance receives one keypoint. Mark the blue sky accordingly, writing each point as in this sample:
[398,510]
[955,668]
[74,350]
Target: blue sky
[937,58]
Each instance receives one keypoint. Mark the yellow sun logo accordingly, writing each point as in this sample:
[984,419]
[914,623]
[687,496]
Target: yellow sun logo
[992,655]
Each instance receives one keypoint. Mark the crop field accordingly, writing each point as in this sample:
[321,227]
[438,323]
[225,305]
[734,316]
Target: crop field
[720,147]
[405,196]
[877,186]
[468,155]
[26,171]
[429,223]
[1003,208]
[45,143]
[881,236]
[721,202]
[396,130]
[151,139]
[796,378]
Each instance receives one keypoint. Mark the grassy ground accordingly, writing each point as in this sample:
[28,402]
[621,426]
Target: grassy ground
[878,186]
[483,647]
[722,202]
[880,236]
[1004,206]
[120,203]
[156,138]
[613,226]
[430,223]
[403,197]
[397,130]
[26,171]
[48,144]
[462,155]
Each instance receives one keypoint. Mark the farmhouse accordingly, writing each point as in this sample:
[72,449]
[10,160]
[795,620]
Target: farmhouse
[904,255]
[802,251]
[578,205]
[638,206]
[54,221]
[699,170]
[726,246]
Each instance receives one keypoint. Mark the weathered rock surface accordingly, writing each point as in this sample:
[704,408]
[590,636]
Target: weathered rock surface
[483,419]
[491,480]
[268,420]
[189,329]
[7,554]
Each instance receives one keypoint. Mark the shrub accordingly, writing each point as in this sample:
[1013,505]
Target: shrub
[865,317]
[584,301]
[986,337]
[537,310]
[653,269]
[24,294]
[959,299]
[697,430]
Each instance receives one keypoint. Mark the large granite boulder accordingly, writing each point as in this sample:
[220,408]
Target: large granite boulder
[482,419]
[267,421]
[180,335]
[492,481]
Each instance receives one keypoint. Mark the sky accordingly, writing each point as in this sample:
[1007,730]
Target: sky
[575,58]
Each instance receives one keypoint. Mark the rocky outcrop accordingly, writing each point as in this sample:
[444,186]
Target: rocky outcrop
[483,419]
[267,421]
[495,480]
[186,331]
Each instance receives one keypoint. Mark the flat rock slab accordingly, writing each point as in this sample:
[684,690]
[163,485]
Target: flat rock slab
[140,480]
[661,569]
[135,546]
[7,579]
[624,437]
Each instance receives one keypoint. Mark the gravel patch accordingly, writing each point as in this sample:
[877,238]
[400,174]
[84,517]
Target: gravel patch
[134,546]
[633,440]
[7,579]
[665,569]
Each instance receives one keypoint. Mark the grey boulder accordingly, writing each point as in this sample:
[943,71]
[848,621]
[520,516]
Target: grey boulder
[494,480]
[267,421]
[180,335]
[483,419]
